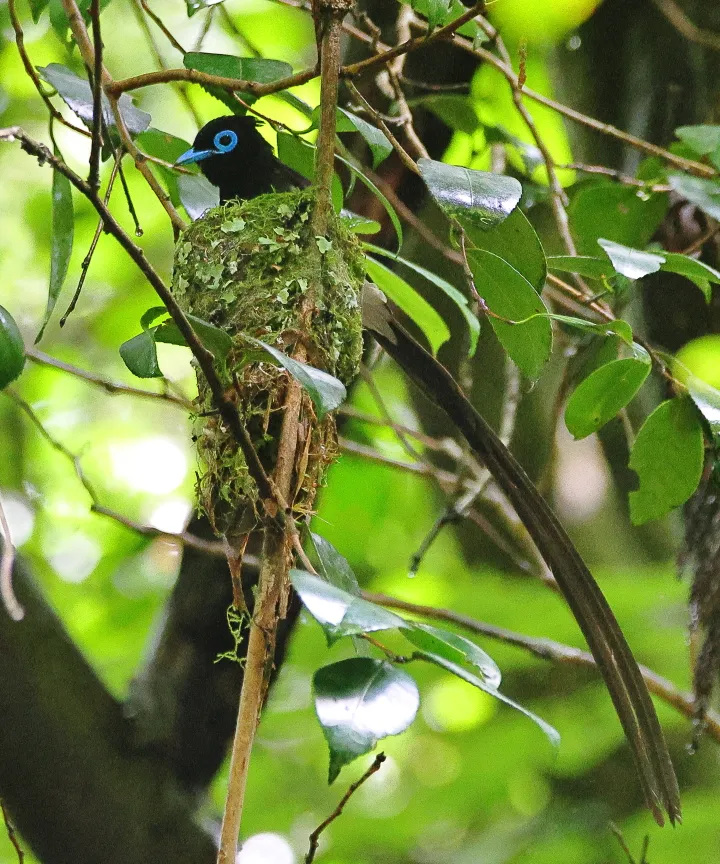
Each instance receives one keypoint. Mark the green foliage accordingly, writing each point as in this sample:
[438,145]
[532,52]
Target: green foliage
[12,349]
[705,194]
[668,458]
[377,141]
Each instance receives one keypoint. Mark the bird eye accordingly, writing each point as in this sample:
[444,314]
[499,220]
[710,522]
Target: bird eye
[225,141]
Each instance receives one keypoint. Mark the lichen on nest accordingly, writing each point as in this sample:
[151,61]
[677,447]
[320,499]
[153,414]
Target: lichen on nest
[257,268]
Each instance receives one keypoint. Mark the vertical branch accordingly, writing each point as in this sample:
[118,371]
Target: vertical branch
[94,175]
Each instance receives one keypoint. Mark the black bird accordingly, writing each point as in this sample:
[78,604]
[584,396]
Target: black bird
[235,157]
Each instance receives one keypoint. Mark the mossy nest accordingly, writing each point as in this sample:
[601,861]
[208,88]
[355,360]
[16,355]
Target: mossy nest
[256,268]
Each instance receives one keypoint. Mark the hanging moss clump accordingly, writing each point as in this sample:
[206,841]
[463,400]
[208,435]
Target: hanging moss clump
[256,268]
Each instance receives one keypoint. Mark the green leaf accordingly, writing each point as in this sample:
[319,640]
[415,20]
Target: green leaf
[152,314]
[619,213]
[707,401]
[300,156]
[619,327]
[516,242]
[457,670]
[333,566]
[510,295]
[704,194]
[389,209]
[340,612]
[63,230]
[529,155]
[704,140]
[140,355]
[358,701]
[78,96]
[696,271]
[359,224]
[437,12]
[163,145]
[605,392]
[256,69]
[377,141]
[454,110]
[37,7]
[197,194]
[326,391]
[632,263]
[412,304]
[452,647]
[217,341]
[194,6]
[476,198]
[667,456]
[452,292]
[12,349]
[584,265]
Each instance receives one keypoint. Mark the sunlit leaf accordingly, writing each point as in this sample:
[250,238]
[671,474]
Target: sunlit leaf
[63,231]
[667,456]
[510,295]
[140,355]
[452,292]
[412,304]
[333,566]
[633,263]
[477,198]
[326,391]
[358,701]
[78,96]
[12,349]
[340,612]
[704,194]
[377,141]
[452,647]
[516,242]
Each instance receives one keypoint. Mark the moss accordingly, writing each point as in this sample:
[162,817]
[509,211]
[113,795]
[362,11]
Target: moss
[256,268]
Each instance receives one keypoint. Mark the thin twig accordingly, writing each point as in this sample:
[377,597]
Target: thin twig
[7,560]
[680,21]
[157,20]
[12,836]
[97,116]
[315,836]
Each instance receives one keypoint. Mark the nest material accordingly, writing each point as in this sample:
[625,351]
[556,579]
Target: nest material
[256,268]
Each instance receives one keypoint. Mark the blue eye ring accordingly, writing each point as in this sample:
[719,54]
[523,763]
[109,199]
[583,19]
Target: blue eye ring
[225,141]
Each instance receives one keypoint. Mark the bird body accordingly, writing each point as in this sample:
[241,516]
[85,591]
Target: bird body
[235,157]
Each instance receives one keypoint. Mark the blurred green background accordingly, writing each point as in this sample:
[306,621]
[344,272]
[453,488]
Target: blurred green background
[471,781]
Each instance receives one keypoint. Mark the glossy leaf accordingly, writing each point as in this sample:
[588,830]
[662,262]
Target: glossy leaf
[340,612]
[668,456]
[78,96]
[455,648]
[529,154]
[12,349]
[618,327]
[509,294]
[698,272]
[61,244]
[194,6]
[632,263]
[377,141]
[452,292]
[618,213]
[707,401]
[326,391]
[359,701]
[359,224]
[333,566]
[412,304]
[197,194]
[605,392]
[583,265]
[704,194]
[140,355]
[516,242]
[477,198]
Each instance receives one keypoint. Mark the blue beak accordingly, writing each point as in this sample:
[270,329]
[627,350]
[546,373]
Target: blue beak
[193,155]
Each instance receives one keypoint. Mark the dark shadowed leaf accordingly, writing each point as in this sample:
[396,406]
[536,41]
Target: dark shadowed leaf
[63,230]
[196,194]
[704,194]
[454,110]
[456,649]
[452,292]
[140,355]
[412,304]
[12,349]
[358,701]
[167,147]
[510,295]
[477,198]
[77,95]
[605,392]
[377,141]
[333,566]
[326,391]
[217,341]
[516,242]
[696,271]
[340,612]
[633,263]
[667,456]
